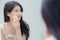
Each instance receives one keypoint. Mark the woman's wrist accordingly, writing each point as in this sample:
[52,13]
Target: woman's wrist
[18,33]
[17,28]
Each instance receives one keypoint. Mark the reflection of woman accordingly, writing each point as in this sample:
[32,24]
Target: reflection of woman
[51,15]
[14,28]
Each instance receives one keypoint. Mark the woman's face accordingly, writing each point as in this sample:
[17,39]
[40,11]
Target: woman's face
[15,12]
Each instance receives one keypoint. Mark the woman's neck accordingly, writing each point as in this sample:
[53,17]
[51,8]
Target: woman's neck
[9,24]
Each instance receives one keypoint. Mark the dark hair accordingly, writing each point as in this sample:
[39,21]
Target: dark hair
[8,8]
[51,16]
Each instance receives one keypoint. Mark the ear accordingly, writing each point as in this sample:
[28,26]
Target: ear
[8,14]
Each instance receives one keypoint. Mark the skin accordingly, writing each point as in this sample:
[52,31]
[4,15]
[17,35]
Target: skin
[13,26]
[49,36]
[47,32]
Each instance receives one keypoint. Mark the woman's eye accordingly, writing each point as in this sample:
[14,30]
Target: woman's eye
[16,10]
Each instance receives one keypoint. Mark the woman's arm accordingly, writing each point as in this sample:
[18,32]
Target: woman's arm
[2,34]
[18,34]
[16,24]
[24,37]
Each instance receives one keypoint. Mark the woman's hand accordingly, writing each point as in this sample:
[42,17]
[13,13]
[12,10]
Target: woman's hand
[15,22]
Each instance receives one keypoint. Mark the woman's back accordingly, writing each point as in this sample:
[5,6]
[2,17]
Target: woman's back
[51,16]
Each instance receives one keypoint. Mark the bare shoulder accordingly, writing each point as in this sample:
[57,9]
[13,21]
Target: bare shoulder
[2,26]
[51,38]
[0,29]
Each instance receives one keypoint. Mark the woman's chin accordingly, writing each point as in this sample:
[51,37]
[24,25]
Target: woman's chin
[19,18]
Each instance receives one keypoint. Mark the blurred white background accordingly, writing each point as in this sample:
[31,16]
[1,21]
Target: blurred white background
[32,15]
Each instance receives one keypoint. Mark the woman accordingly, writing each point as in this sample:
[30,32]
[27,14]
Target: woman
[51,16]
[14,27]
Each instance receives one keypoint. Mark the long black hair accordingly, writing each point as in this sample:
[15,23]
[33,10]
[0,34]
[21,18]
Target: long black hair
[51,16]
[8,8]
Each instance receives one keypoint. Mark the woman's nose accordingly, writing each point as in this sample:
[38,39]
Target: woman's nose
[20,13]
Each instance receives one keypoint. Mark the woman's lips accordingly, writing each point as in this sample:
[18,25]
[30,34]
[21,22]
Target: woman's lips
[19,17]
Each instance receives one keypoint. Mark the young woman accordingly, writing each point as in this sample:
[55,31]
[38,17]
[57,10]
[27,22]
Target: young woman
[51,16]
[14,27]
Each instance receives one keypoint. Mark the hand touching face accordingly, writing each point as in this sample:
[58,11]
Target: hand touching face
[15,12]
